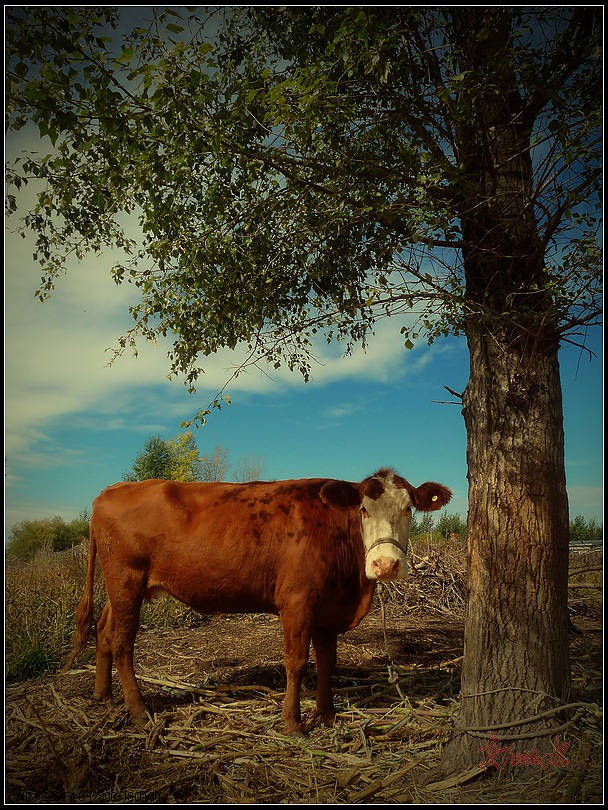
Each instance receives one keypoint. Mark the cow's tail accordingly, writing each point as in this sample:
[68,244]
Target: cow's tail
[84,611]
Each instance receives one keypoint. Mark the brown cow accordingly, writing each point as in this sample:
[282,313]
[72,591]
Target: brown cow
[309,550]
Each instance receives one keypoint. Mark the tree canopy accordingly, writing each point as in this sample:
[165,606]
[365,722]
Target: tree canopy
[297,171]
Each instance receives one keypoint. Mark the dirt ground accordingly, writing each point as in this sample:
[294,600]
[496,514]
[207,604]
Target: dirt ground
[214,695]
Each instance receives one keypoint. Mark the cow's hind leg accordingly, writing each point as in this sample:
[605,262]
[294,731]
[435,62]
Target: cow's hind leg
[296,633]
[117,628]
[325,644]
[126,623]
[103,662]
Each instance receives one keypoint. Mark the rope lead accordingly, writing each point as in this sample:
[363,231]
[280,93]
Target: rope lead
[393,672]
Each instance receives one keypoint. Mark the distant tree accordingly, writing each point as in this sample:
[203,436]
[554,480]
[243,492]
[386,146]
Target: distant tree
[187,464]
[156,460]
[179,459]
[583,531]
[29,537]
[215,467]
[78,529]
[451,524]
[422,524]
[249,468]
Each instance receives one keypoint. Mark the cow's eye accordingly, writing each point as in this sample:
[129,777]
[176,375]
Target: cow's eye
[364,512]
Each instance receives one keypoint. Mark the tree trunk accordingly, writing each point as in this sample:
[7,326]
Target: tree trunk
[516,663]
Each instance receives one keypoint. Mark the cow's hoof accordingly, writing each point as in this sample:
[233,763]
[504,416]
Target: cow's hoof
[327,718]
[139,718]
[294,729]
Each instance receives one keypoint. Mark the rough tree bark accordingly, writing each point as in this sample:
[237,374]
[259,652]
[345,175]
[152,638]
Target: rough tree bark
[516,662]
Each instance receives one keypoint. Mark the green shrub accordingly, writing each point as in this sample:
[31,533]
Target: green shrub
[585,532]
[31,537]
[31,662]
[423,542]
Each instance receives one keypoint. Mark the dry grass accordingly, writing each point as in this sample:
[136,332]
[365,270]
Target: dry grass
[214,693]
[40,599]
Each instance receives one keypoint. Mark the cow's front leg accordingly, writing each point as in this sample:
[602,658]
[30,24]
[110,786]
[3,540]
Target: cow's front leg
[296,633]
[325,644]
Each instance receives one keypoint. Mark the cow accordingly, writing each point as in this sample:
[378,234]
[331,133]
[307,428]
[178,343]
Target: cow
[309,550]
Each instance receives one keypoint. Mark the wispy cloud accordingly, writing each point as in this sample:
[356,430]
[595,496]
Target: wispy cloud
[341,411]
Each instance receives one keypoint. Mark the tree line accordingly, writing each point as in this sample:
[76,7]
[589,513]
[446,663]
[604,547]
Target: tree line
[31,537]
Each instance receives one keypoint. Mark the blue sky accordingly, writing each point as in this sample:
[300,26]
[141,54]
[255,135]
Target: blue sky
[73,424]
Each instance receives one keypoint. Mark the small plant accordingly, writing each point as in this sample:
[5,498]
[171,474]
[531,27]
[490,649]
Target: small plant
[31,663]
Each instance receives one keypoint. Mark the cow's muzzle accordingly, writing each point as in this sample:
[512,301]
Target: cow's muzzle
[384,567]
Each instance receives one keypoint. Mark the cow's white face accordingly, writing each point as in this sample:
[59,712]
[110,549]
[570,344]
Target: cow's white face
[385,524]
[385,502]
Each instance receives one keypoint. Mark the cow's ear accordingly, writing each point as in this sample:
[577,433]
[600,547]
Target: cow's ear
[340,495]
[429,496]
